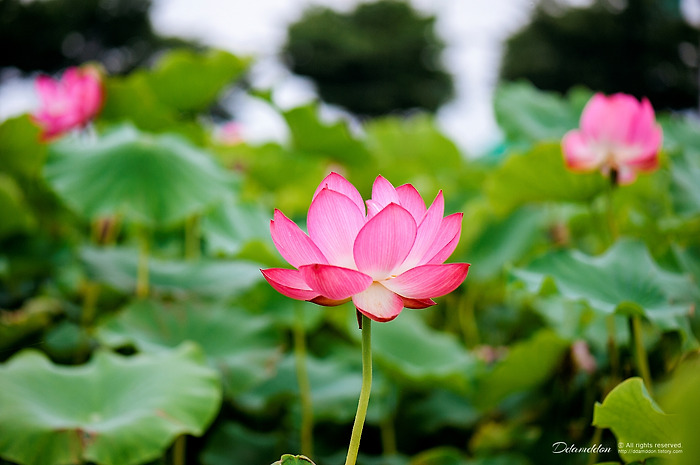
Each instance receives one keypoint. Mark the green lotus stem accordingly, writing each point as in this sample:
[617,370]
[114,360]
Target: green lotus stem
[388,432]
[612,233]
[105,230]
[597,436]
[612,224]
[364,392]
[142,284]
[192,236]
[90,295]
[640,352]
[179,450]
[307,412]
[467,318]
[612,351]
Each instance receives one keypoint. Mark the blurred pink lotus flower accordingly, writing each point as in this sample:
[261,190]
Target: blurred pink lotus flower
[386,259]
[618,135]
[229,133]
[70,102]
[582,357]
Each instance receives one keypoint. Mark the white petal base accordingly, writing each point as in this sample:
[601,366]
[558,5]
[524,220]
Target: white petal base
[378,303]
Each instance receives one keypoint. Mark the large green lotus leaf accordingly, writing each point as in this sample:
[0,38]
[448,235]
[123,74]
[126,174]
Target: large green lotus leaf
[539,175]
[527,114]
[442,408]
[428,159]
[167,97]
[35,315]
[231,225]
[261,252]
[681,396]
[151,180]
[636,419]
[574,319]
[16,215]
[685,188]
[505,242]
[331,141]
[643,209]
[21,153]
[242,230]
[335,386]
[289,189]
[242,346]
[117,267]
[114,410]
[625,279]
[410,350]
[248,447]
[527,365]
[66,341]
[191,81]
[680,133]
[682,141]
[688,260]
[287,313]
[569,319]
[130,98]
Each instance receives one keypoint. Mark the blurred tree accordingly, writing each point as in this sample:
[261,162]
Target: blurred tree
[641,47]
[51,34]
[379,58]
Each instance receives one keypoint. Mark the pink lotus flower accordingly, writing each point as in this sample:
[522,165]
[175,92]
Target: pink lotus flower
[618,135]
[68,103]
[229,134]
[582,357]
[386,259]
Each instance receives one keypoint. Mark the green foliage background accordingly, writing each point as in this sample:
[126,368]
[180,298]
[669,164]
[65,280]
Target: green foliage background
[132,299]
[134,318]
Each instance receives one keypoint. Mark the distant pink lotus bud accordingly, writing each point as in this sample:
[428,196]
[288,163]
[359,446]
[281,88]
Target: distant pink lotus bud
[229,134]
[581,355]
[490,354]
[387,258]
[70,102]
[618,135]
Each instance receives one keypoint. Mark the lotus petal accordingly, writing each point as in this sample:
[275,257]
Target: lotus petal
[334,282]
[427,281]
[290,283]
[333,222]
[378,303]
[384,242]
[292,243]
